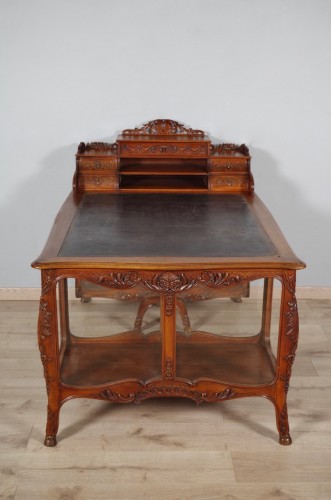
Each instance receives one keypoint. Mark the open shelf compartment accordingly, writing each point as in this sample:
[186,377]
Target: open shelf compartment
[163,174]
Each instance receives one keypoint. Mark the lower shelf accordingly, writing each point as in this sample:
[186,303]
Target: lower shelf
[243,364]
[89,364]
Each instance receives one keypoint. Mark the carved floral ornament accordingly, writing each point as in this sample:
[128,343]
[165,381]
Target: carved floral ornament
[45,320]
[164,148]
[165,282]
[169,281]
[168,391]
[163,127]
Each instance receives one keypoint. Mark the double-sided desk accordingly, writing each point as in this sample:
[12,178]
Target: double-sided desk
[164,217]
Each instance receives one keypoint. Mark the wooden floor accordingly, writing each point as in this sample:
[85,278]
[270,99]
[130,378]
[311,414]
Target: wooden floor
[164,449]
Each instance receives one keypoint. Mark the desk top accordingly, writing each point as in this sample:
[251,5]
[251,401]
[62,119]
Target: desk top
[165,225]
[166,230]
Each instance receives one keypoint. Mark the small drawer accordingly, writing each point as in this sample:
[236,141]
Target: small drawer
[97,182]
[229,182]
[164,149]
[228,165]
[97,164]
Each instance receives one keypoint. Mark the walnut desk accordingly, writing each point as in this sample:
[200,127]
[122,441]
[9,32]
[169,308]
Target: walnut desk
[165,217]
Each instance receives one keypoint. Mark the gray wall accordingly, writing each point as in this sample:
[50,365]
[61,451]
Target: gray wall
[256,72]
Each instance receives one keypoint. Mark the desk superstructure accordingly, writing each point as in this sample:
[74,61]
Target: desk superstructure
[164,217]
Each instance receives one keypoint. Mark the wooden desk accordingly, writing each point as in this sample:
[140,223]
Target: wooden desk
[164,216]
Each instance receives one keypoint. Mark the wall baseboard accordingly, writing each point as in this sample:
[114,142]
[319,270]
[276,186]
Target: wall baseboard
[26,293]
[304,292]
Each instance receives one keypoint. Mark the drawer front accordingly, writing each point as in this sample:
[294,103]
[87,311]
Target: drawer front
[229,182]
[97,182]
[160,149]
[97,164]
[228,165]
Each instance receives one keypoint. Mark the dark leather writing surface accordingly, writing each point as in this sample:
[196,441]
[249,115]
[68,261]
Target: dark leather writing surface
[165,225]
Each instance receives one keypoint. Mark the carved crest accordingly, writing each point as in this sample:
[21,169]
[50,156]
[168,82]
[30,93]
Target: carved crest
[163,127]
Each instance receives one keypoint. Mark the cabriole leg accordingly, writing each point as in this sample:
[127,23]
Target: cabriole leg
[287,345]
[49,352]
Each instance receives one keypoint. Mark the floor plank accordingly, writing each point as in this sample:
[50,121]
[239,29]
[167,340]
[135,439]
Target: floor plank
[164,449]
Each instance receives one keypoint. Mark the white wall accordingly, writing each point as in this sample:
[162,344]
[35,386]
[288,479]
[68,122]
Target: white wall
[253,71]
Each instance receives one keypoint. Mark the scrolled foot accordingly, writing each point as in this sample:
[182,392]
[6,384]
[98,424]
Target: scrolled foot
[285,440]
[236,300]
[85,300]
[50,441]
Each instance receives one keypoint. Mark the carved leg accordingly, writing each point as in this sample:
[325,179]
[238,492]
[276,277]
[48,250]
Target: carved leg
[49,352]
[184,315]
[79,292]
[266,311]
[287,344]
[147,303]
[143,306]
[168,328]
[64,314]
